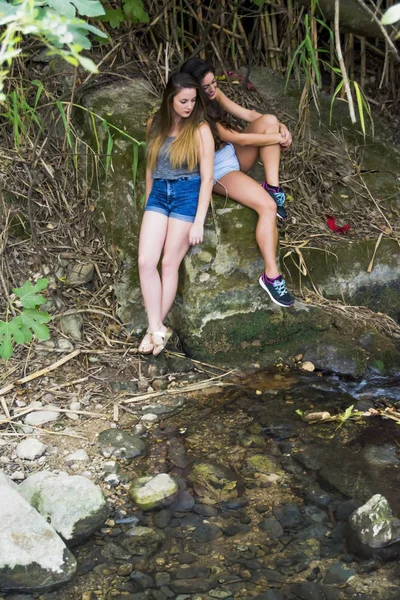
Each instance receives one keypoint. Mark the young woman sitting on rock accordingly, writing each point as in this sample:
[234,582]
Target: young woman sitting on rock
[179,180]
[263,138]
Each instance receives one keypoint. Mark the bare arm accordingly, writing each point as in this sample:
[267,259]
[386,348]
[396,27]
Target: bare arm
[149,177]
[248,139]
[206,163]
[235,109]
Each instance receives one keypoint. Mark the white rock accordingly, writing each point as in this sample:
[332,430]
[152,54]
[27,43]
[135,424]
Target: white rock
[75,405]
[149,418]
[30,449]
[43,416]
[18,476]
[78,455]
[72,504]
[112,479]
[153,491]
[307,366]
[32,556]
[110,466]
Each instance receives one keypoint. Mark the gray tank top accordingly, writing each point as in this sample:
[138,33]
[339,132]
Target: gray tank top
[163,168]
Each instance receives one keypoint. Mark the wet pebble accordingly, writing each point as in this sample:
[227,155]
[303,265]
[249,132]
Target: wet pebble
[205,510]
[192,586]
[142,579]
[162,518]
[206,533]
[338,574]
[272,527]
[289,516]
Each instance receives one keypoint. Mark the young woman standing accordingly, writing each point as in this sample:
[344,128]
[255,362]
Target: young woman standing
[239,153]
[179,180]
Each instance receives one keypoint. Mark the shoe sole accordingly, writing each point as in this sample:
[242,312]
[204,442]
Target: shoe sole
[264,287]
[281,218]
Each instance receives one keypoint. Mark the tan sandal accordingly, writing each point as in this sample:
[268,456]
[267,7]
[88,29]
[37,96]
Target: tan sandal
[146,345]
[164,335]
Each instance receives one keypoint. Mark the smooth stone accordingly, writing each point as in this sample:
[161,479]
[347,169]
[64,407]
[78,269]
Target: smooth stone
[142,541]
[153,491]
[338,574]
[71,325]
[272,528]
[288,515]
[32,556]
[173,406]
[205,510]
[192,586]
[186,558]
[41,417]
[234,529]
[77,456]
[121,444]
[374,523]
[307,591]
[162,578]
[192,573]
[184,502]
[162,518]
[72,504]
[142,579]
[80,274]
[206,533]
[30,449]
[149,419]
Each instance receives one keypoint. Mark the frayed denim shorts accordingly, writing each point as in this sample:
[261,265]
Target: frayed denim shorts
[175,198]
[225,161]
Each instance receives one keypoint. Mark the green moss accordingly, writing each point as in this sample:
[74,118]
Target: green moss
[263,464]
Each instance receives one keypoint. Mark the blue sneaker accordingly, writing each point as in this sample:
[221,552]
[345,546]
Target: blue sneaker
[277,291]
[279,197]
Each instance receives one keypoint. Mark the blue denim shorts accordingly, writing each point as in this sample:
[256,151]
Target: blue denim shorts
[225,161]
[175,198]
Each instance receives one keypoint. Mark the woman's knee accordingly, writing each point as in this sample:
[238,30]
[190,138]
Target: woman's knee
[270,123]
[170,263]
[146,263]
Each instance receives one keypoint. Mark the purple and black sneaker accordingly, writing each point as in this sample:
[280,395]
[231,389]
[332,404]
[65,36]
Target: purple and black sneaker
[277,291]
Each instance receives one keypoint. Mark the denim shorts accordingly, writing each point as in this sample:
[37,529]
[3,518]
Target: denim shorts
[175,198]
[225,161]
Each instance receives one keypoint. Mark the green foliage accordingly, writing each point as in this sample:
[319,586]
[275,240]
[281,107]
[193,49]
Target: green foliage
[21,114]
[55,23]
[132,11]
[31,321]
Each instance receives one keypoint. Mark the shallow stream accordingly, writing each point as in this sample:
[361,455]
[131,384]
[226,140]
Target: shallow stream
[264,501]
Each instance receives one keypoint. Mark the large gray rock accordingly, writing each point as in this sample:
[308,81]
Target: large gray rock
[73,505]
[221,313]
[32,556]
[375,524]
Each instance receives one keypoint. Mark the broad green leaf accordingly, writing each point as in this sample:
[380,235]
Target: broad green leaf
[87,64]
[10,332]
[134,9]
[34,321]
[28,293]
[113,16]
[69,8]
[347,413]
[392,15]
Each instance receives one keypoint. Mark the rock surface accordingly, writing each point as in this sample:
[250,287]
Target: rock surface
[375,524]
[153,491]
[73,505]
[32,556]
[121,444]
[221,313]
[30,449]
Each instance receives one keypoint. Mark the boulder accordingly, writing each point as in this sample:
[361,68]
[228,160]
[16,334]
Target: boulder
[153,491]
[375,524]
[33,558]
[221,313]
[73,505]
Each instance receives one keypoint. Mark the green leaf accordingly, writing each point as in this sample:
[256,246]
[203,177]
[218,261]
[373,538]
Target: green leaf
[10,332]
[88,64]
[134,9]
[347,413]
[69,8]
[113,16]
[34,321]
[392,15]
[28,293]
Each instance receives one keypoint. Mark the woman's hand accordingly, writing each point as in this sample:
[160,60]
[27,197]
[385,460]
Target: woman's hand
[196,234]
[286,138]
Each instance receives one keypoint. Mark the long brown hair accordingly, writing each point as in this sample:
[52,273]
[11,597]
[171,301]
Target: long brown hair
[198,69]
[184,149]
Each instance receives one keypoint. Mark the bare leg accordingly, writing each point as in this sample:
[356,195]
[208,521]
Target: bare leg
[248,192]
[176,246]
[152,237]
[269,155]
